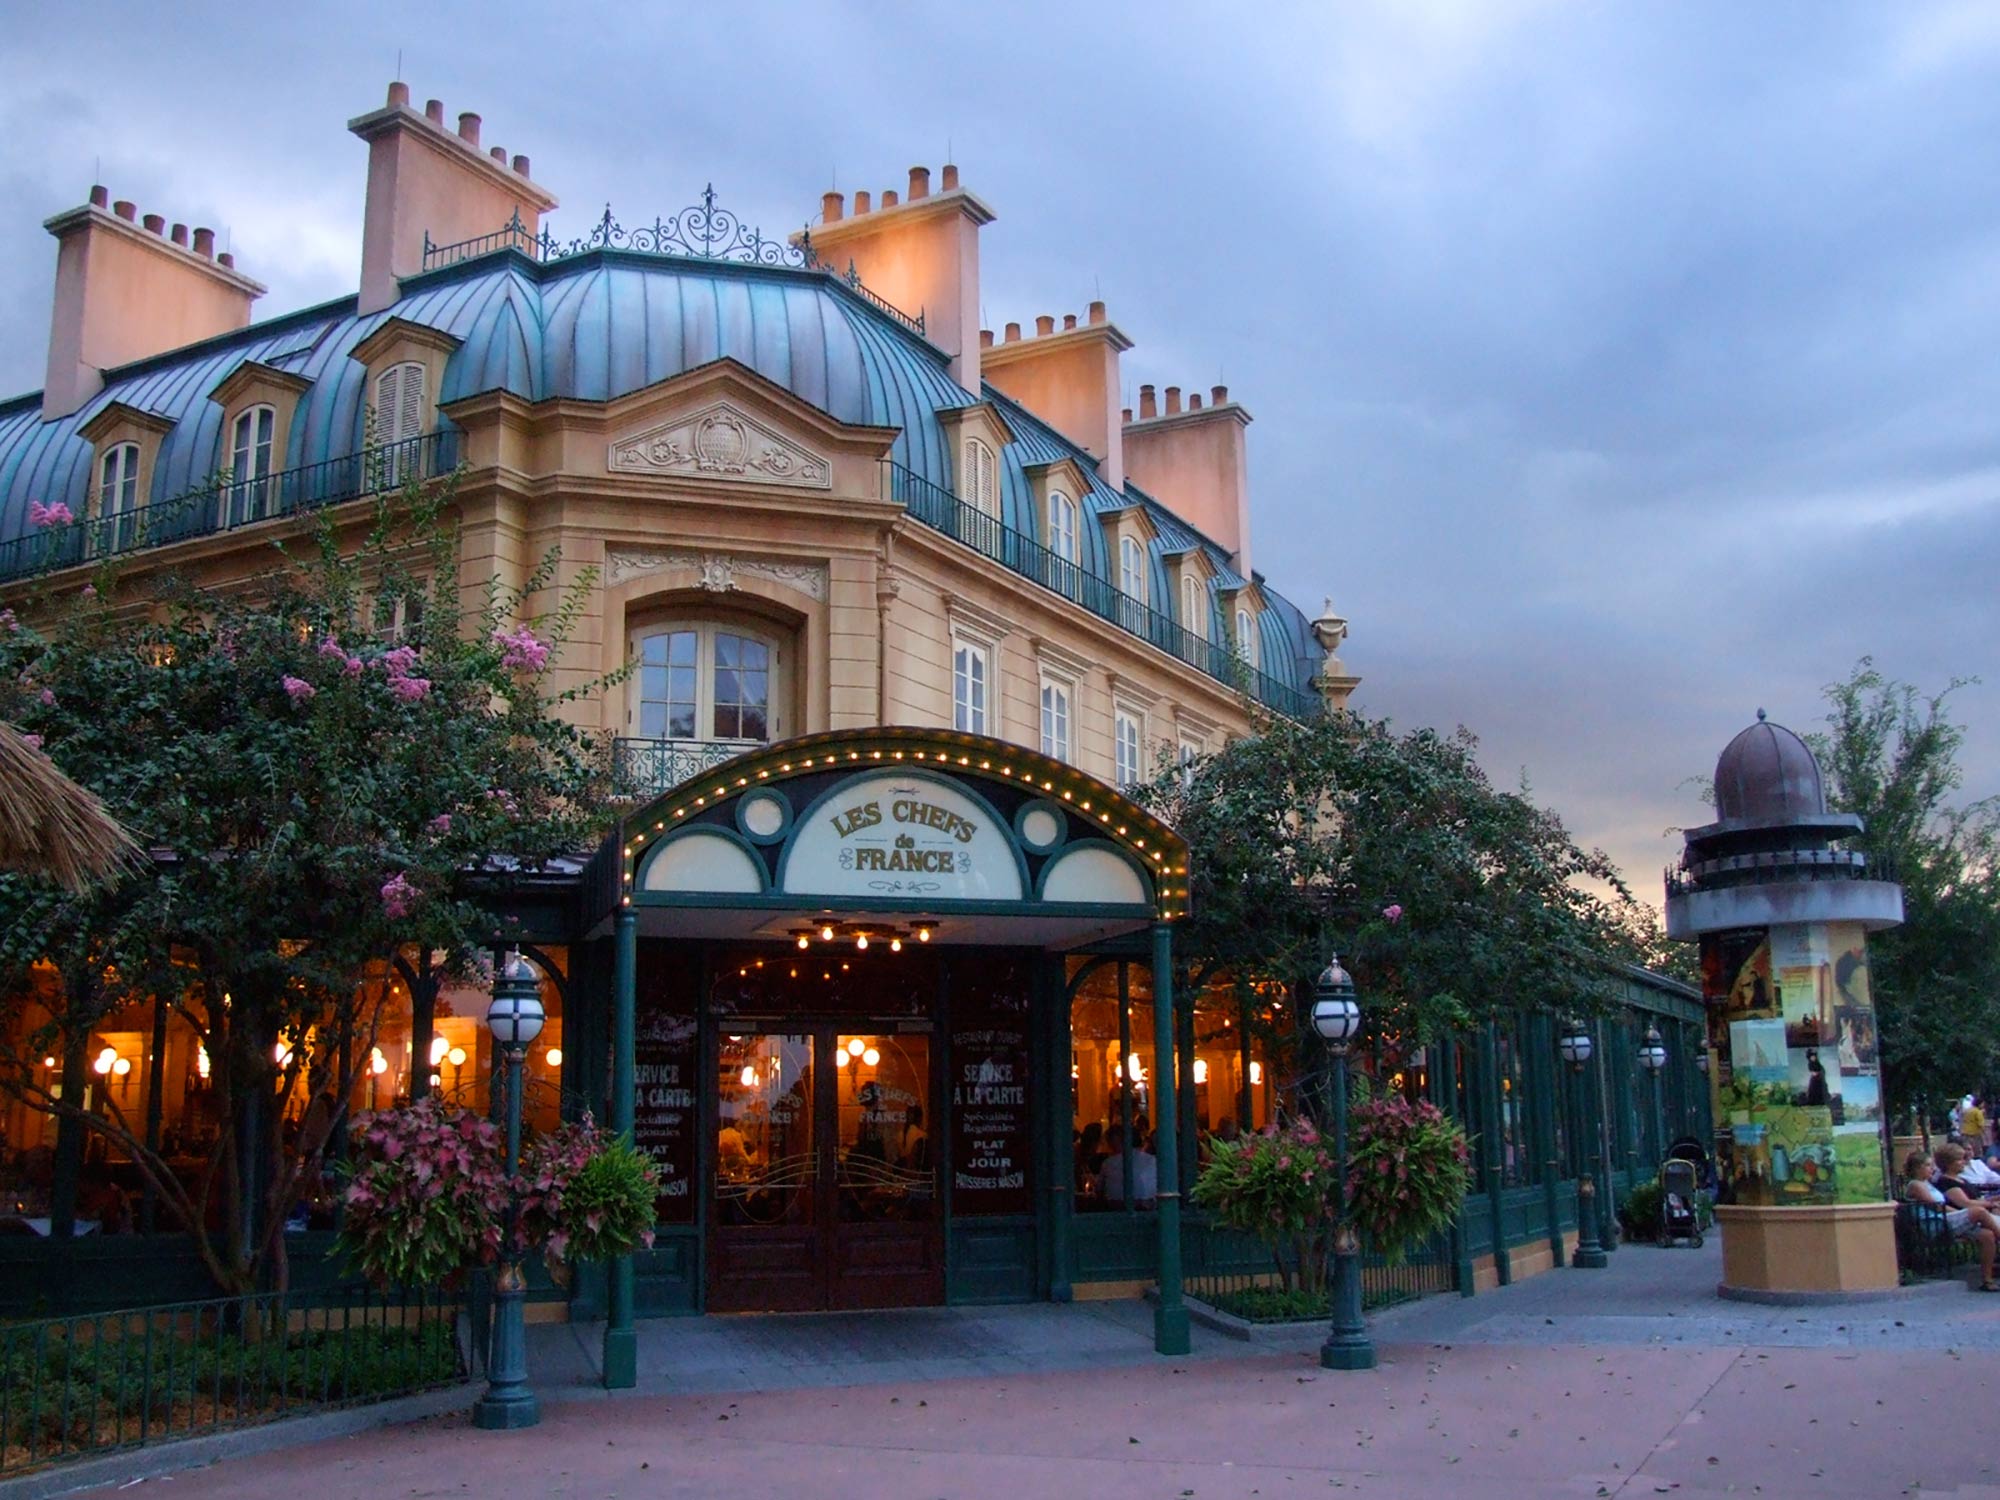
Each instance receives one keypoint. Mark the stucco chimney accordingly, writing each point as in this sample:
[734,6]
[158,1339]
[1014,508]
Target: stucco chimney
[921,256]
[424,178]
[126,293]
[1196,463]
[1069,378]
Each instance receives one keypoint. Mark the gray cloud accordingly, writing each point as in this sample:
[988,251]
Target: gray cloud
[1618,370]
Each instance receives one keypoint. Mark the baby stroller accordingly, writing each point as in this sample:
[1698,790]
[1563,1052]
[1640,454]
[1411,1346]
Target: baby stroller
[1680,1217]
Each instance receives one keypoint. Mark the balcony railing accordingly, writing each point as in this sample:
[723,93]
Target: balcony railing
[1023,554]
[223,505]
[645,768]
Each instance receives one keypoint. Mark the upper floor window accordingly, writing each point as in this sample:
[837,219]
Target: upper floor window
[1193,615]
[250,444]
[399,403]
[703,681]
[968,688]
[982,478]
[118,480]
[1126,737]
[1062,526]
[1132,568]
[1246,637]
[397,616]
[1055,719]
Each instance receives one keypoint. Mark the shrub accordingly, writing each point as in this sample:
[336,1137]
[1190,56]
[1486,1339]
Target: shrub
[1639,1213]
[1276,1186]
[1408,1167]
[426,1198]
[586,1195]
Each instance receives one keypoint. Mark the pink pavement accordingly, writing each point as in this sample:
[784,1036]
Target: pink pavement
[1489,1421]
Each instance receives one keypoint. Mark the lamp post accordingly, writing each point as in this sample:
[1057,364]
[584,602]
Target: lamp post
[1653,1058]
[1336,1017]
[515,1019]
[1575,1048]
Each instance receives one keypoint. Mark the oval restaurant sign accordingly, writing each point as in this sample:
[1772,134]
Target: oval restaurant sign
[904,837]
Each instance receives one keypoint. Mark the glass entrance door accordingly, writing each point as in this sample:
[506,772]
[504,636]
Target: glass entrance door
[824,1190]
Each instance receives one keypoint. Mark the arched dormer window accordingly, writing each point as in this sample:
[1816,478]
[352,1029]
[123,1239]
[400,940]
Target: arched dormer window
[1246,637]
[118,480]
[399,419]
[250,447]
[1132,568]
[982,478]
[1193,616]
[1062,526]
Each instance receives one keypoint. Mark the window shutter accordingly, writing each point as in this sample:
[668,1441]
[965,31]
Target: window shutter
[410,419]
[387,385]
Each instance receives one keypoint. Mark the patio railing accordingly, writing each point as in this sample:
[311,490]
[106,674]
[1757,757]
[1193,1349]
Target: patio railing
[222,504]
[1245,1289]
[645,768]
[82,1386]
[1025,555]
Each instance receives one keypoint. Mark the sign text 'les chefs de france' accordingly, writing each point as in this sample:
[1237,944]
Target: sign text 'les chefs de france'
[894,835]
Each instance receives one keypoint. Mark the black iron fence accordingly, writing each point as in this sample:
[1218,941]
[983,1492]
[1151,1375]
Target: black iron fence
[1926,1248]
[991,537]
[1254,1293]
[224,504]
[77,1387]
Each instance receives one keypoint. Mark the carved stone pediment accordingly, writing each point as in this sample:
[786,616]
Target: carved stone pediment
[720,442]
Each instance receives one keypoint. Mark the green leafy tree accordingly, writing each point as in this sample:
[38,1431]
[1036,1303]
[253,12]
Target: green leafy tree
[1891,754]
[1449,899]
[319,793]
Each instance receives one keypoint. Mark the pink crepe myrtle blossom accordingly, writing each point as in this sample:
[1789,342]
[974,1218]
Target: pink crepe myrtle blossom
[47,698]
[409,689]
[299,690]
[90,591]
[441,824]
[8,623]
[399,897]
[399,662]
[521,649]
[1392,914]
[32,741]
[58,514]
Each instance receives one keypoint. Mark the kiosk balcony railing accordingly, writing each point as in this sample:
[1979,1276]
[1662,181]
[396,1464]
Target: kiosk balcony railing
[1027,556]
[223,504]
[643,768]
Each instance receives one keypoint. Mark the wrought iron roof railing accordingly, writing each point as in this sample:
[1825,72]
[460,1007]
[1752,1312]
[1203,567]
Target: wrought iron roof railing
[1023,554]
[224,504]
[643,768]
[700,231]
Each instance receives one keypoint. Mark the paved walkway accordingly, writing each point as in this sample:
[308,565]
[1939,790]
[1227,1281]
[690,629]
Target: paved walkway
[1634,1381]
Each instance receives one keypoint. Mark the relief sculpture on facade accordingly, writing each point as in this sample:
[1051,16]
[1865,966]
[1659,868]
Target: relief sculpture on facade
[720,442]
[715,572]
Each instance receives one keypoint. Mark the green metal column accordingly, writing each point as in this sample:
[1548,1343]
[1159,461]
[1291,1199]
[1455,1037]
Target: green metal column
[1487,1091]
[1444,1078]
[1543,1082]
[1058,1110]
[1601,1135]
[1170,1315]
[621,1339]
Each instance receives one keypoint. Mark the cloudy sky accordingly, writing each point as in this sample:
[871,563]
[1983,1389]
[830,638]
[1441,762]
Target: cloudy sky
[1617,369]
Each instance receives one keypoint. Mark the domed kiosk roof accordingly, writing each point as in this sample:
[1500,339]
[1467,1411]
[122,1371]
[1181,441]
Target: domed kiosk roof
[1767,775]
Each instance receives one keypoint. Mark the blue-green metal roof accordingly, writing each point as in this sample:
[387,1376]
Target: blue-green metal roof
[593,327]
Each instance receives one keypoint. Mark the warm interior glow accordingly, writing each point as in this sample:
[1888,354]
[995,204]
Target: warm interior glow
[749,1077]
[555,1057]
[439,1046]
[871,1057]
[104,1060]
[1201,1070]
[1256,1071]
[377,1063]
[457,1056]
[826,933]
[201,1063]
[804,941]
[1136,1068]
[861,941]
[48,1062]
[855,1046]
[895,945]
[281,1054]
[923,934]
[122,1066]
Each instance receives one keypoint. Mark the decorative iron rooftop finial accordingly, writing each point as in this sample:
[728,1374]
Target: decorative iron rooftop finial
[1760,716]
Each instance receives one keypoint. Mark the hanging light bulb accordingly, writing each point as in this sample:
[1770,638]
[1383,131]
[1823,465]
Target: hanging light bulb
[122,1066]
[457,1056]
[104,1060]
[377,1063]
[804,941]
[826,933]
[923,934]
[1201,1070]
[439,1046]
[855,1046]
[1256,1072]
[895,945]
[48,1062]
[1135,1068]
[749,1076]
[871,1057]
[555,1057]
[861,942]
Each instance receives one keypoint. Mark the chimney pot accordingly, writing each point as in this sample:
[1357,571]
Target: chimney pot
[889,198]
[468,127]
[1044,325]
[920,183]
[1194,401]
[157,223]
[179,235]
[499,154]
[100,196]
[226,259]
[1173,400]
[1148,406]
[520,166]
[399,96]
[1125,416]
[204,242]
[950,177]
[1097,313]
[1069,321]
[863,201]
[434,111]
[1218,396]
[125,209]
[1013,332]
[986,338]
[829,207]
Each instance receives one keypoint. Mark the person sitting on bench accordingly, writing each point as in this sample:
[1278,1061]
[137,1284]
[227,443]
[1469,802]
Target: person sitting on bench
[1965,1219]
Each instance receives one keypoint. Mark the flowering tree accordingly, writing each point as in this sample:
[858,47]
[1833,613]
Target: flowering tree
[318,792]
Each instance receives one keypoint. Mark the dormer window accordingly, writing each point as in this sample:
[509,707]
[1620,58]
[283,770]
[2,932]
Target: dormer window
[1194,616]
[1132,568]
[1246,637]
[399,403]
[118,480]
[982,478]
[1062,526]
[250,447]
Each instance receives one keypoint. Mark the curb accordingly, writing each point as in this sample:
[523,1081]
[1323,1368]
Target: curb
[180,1454]
[1769,1298]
